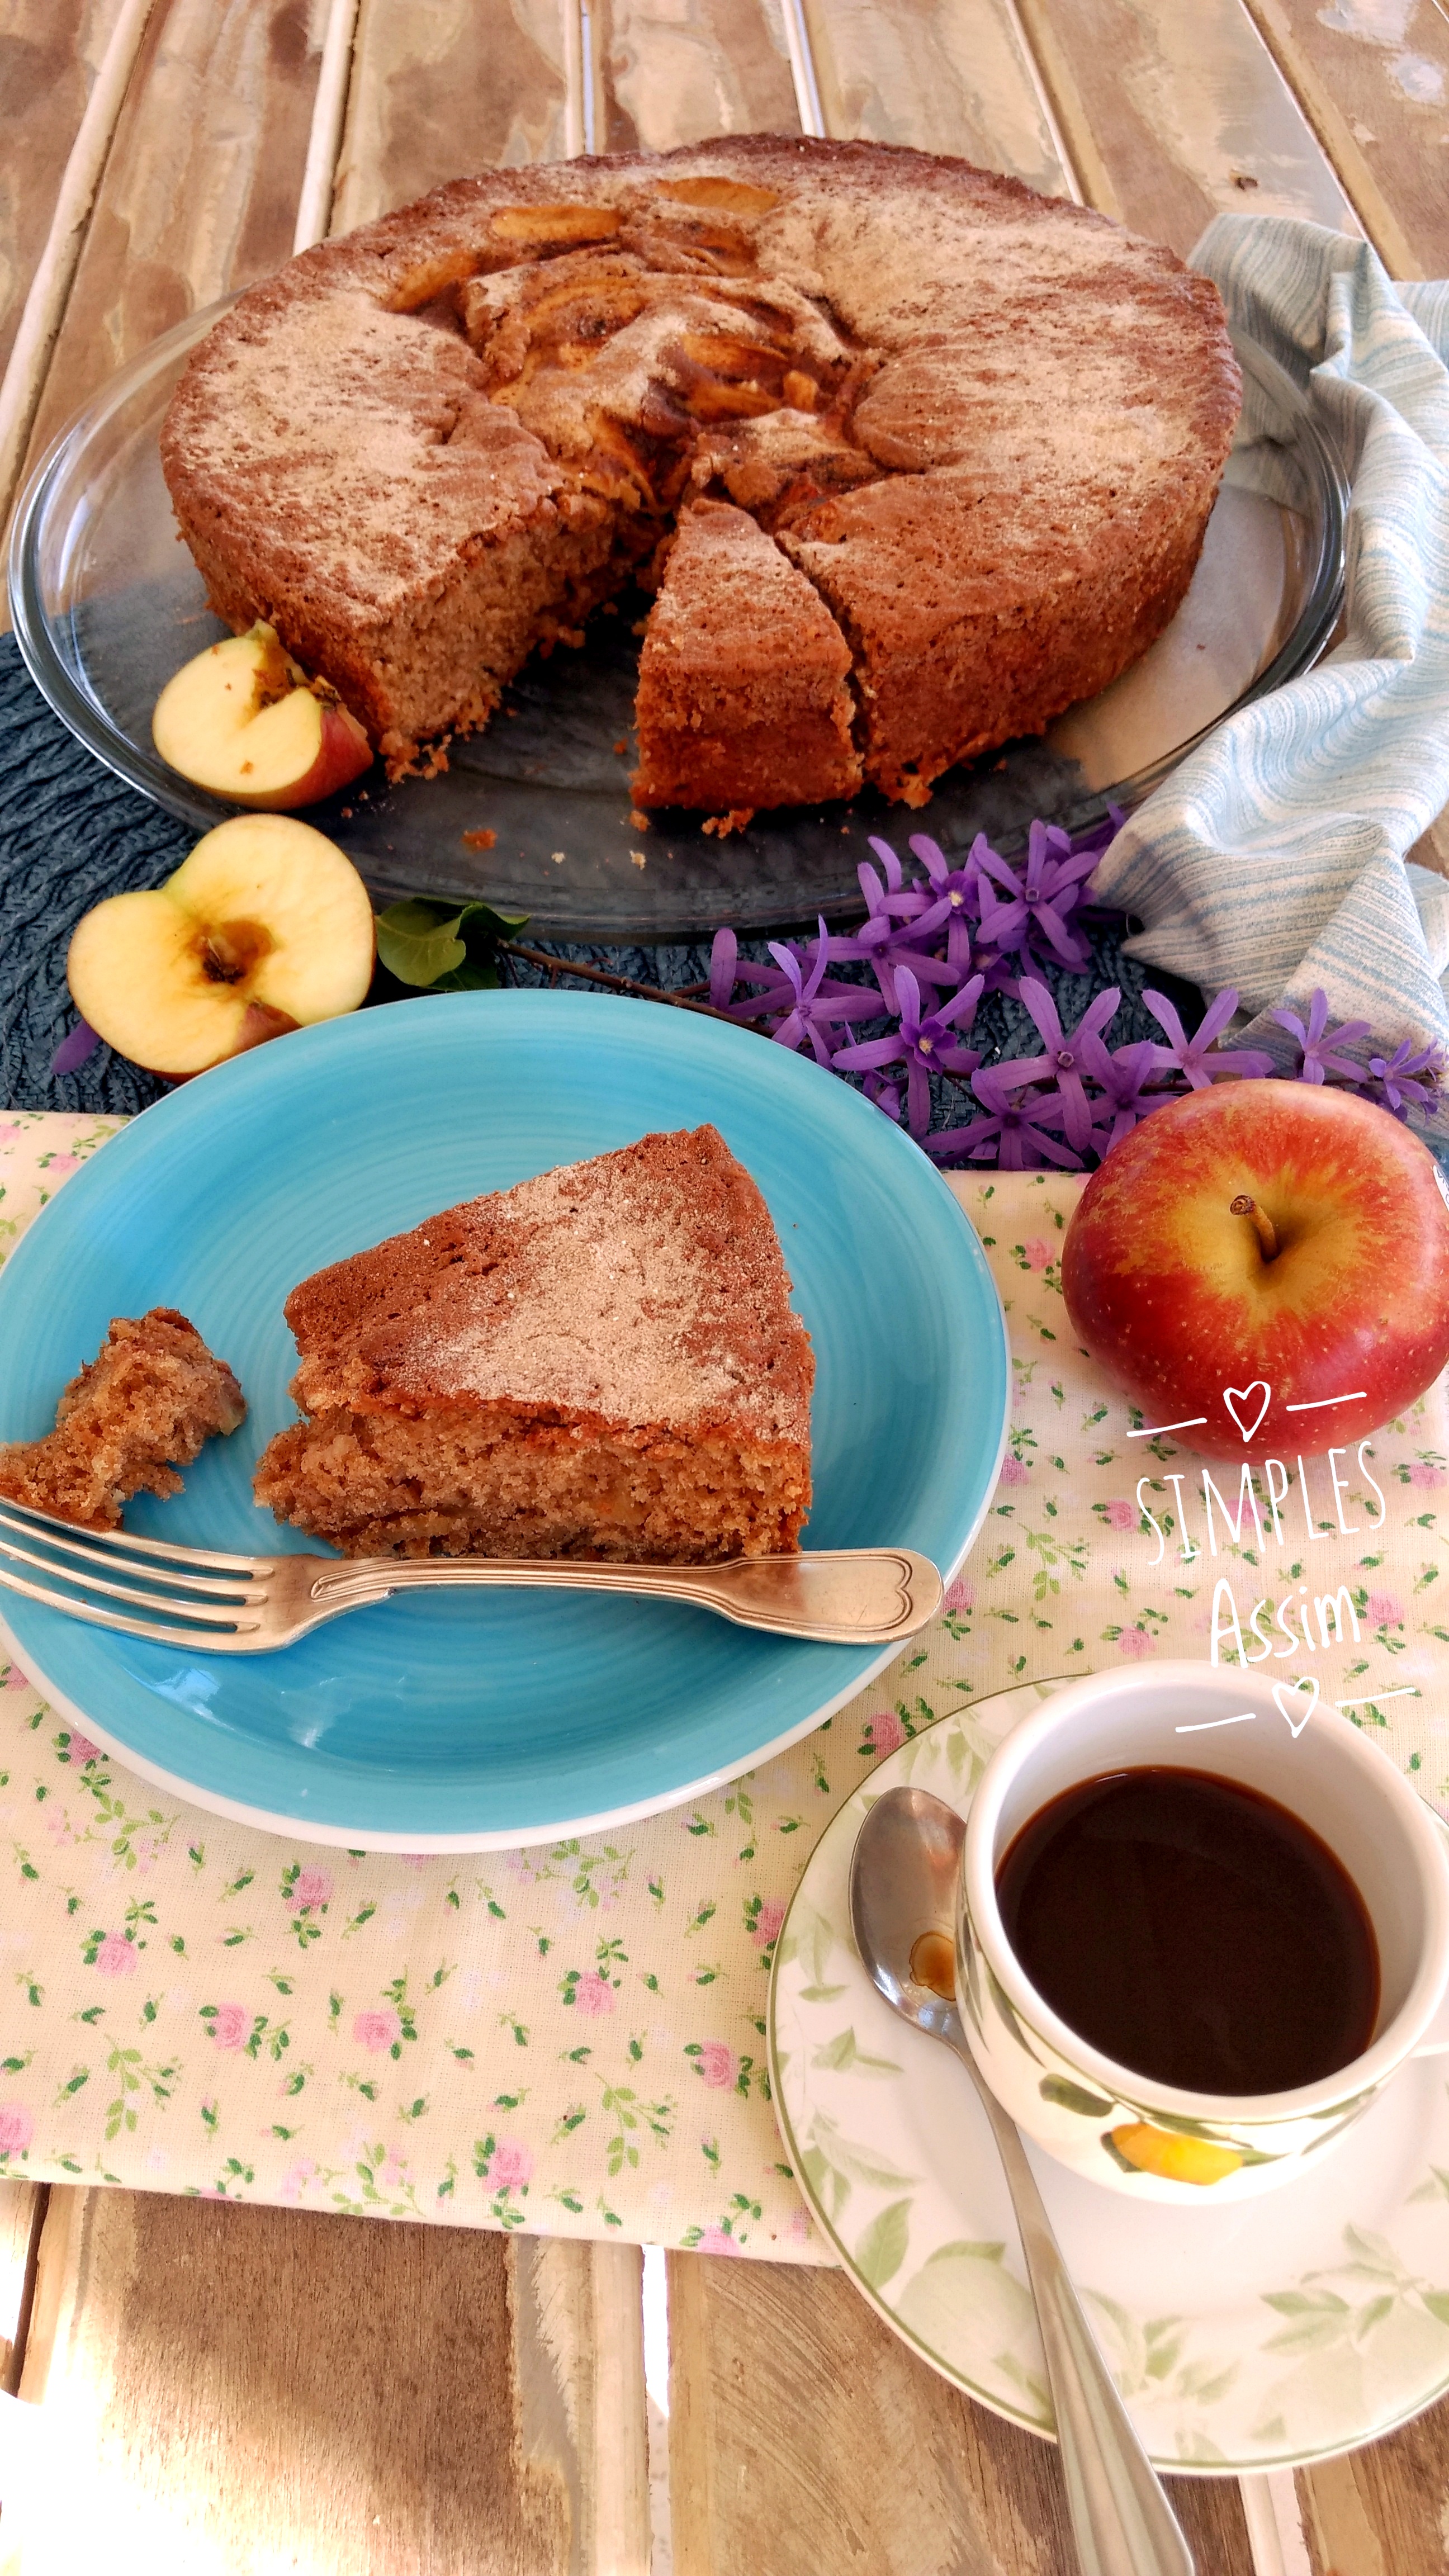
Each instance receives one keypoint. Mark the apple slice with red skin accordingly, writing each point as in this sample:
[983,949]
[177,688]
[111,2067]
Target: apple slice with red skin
[265,927]
[1332,1278]
[244,721]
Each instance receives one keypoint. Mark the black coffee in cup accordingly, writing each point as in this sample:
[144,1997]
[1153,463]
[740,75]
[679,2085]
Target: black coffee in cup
[1193,1930]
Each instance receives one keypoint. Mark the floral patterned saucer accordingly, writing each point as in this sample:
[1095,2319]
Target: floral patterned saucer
[1259,2336]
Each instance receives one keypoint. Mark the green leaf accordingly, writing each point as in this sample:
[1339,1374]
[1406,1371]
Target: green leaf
[1437,2303]
[430,943]
[1115,2152]
[1072,2097]
[882,2249]
[418,940]
[1314,2334]
[479,920]
[1298,2303]
[842,2051]
[469,978]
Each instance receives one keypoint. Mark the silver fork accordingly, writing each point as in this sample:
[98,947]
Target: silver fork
[249,1605]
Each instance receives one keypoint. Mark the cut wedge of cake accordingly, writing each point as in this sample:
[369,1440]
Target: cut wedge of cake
[719,724]
[599,1363]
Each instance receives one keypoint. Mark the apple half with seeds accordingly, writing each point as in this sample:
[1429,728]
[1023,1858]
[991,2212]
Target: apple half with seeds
[265,927]
[244,721]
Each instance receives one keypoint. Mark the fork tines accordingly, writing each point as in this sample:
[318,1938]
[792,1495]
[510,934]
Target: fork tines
[207,1591]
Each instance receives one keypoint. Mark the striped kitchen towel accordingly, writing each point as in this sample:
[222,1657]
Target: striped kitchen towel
[1273,858]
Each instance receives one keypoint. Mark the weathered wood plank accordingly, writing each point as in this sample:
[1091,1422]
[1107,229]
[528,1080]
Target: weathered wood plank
[444,87]
[1273,2513]
[50,52]
[200,190]
[41,314]
[1373,75]
[441,88]
[806,2440]
[944,75]
[1383,2511]
[329,115]
[1174,115]
[679,71]
[1433,850]
[384,2398]
[20,2204]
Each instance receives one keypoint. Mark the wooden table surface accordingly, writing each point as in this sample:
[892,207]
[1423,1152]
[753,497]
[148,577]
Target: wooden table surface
[236,2391]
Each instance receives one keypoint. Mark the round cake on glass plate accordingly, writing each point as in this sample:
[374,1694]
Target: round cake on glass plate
[912,457]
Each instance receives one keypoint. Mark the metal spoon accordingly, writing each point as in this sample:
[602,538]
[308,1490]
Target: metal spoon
[902,1883]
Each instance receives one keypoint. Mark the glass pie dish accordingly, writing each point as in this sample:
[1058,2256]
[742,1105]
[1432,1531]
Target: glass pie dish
[107,605]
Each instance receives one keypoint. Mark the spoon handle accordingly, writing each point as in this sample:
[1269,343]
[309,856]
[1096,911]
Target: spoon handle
[1121,2520]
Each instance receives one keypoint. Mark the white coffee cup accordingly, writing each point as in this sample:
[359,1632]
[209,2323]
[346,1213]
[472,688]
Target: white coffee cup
[1138,2136]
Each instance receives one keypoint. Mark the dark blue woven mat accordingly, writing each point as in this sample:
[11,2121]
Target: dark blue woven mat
[71,833]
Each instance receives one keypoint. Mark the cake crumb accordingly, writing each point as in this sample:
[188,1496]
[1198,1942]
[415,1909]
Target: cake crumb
[480,840]
[621,747]
[638,858]
[639,821]
[559,857]
[143,1407]
[734,821]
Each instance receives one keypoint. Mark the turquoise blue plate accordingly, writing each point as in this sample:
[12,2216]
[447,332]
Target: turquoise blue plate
[461,1722]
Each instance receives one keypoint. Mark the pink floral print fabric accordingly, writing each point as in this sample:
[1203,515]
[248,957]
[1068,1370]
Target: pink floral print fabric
[571,2038]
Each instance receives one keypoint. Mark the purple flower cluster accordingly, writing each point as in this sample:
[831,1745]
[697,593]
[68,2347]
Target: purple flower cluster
[935,947]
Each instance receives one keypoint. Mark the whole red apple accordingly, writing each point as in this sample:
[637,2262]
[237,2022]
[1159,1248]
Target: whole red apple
[1264,1266]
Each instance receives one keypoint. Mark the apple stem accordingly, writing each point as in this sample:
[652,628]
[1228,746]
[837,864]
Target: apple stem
[1263,1226]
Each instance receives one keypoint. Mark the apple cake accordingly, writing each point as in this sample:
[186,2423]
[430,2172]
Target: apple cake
[601,1363]
[984,428]
[718,724]
[146,1405]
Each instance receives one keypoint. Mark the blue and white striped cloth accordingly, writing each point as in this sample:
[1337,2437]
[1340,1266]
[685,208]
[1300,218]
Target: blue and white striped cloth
[1274,858]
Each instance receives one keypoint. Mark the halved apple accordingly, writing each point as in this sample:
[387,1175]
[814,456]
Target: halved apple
[244,720]
[265,927]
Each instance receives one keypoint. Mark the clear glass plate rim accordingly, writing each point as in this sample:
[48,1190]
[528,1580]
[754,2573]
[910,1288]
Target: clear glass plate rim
[140,768]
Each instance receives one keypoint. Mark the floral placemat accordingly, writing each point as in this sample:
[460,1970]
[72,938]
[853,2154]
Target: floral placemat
[571,2038]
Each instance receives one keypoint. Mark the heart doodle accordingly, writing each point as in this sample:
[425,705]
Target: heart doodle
[1233,1396]
[1283,1692]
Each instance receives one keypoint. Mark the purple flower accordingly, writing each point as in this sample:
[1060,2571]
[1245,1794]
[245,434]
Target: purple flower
[723,969]
[1123,1074]
[1016,1128]
[928,1042]
[887,904]
[793,992]
[925,970]
[985,926]
[73,1051]
[812,1008]
[886,1095]
[1039,906]
[1317,1040]
[1393,1079]
[1189,1055]
[884,937]
[1063,1062]
[956,900]
[895,896]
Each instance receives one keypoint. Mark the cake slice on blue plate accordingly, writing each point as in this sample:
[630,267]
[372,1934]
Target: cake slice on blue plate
[599,1363]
